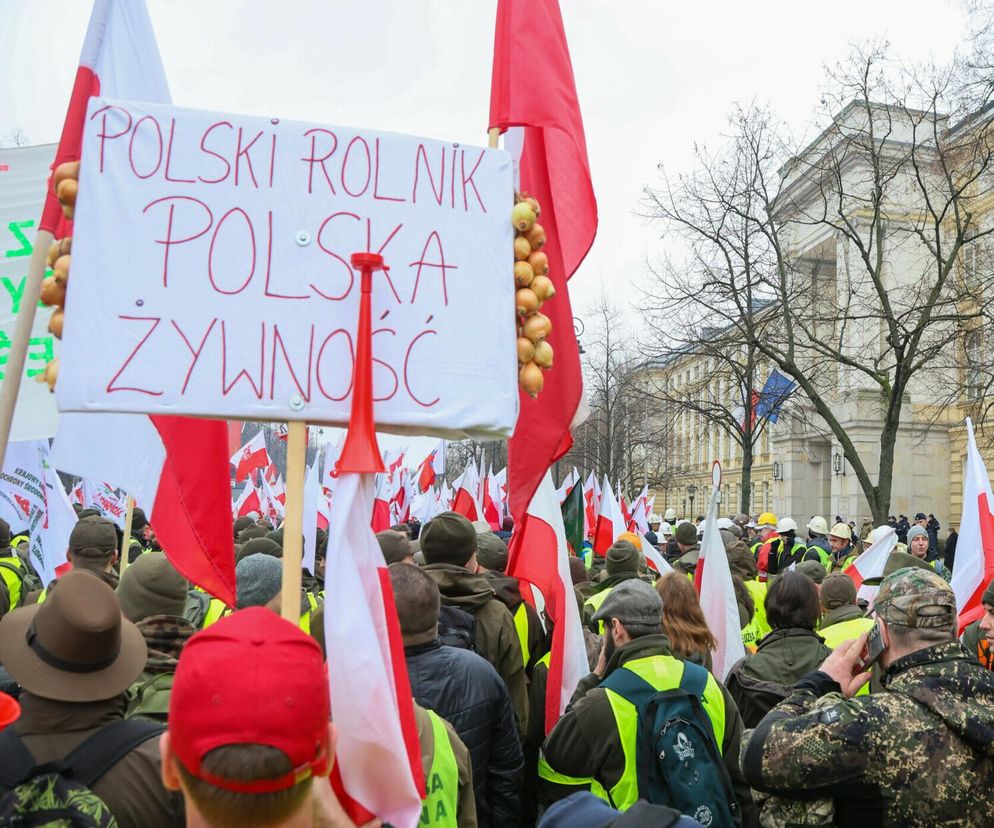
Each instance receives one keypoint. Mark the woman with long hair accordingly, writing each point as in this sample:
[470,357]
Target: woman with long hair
[683,620]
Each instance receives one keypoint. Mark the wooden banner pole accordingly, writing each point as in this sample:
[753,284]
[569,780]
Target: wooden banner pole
[293,522]
[493,137]
[14,368]
[129,516]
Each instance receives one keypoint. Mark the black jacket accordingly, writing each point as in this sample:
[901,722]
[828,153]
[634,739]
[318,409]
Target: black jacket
[465,690]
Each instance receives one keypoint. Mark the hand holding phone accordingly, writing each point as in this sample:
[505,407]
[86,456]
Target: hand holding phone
[876,643]
[844,665]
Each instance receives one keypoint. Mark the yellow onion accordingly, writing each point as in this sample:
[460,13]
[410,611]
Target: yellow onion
[531,379]
[539,262]
[50,374]
[68,169]
[65,246]
[66,192]
[543,354]
[536,237]
[522,250]
[525,350]
[534,205]
[522,217]
[53,254]
[526,301]
[56,322]
[536,327]
[52,292]
[61,269]
[523,274]
[543,287]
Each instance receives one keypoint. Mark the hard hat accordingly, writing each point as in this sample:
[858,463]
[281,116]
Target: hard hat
[767,519]
[654,518]
[786,525]
[819,525]
[670,515]
[879,534]
[724,523]
[665,529]
[842,531]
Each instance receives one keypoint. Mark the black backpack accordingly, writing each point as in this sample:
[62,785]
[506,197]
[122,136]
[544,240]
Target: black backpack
[58,793]
[456,627]
[677,757]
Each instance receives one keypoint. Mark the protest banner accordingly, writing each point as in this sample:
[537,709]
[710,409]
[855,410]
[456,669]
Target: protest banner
[212,276]
[22,192]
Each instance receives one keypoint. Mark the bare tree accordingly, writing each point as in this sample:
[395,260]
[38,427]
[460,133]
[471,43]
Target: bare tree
[15,137]
[839,262]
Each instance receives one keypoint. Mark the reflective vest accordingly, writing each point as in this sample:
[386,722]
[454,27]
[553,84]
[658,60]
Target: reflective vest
[12,571]
[442,783]
[758,626]
[595,601]
[216,610]
[521,625]
[305,619]
[844,631]
[588,558]
[662,673]
[823,556]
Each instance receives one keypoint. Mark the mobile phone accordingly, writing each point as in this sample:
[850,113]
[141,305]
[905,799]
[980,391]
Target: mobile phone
[876,643]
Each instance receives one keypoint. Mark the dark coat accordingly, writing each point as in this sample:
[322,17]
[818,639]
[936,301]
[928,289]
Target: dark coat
[466,691]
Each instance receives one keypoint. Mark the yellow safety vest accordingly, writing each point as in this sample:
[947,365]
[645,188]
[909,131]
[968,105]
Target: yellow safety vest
[521,625]
[216,610]
[12,572]
[595,601]
[305,619]
[758,626]
[588,558]
[442,803]
[662,673]
[844,631]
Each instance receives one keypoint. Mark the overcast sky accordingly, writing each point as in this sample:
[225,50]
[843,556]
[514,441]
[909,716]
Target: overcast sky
[653,77]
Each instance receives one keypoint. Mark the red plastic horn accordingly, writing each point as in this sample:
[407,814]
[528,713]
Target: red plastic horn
[361,453]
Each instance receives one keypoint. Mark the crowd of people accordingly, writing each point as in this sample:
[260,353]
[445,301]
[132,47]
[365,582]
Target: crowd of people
[137,699]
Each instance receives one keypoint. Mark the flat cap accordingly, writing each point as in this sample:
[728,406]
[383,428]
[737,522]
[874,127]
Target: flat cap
[632,602]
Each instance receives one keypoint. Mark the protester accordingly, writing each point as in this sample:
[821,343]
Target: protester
[921,753]
[683,620]
[449,545]
[689,548]
[761,680]
[584,810]
[395,546]
[75,656]
[92,548]
[153,596]
[491,558]
[979,636]
[466,691]
[949,552]
[249,737]
[765,528]
[623,564]
[932,526]
[815,570]
[842,619]
[840,541]
[918,545]
[818,548]
[780,550]
[592,743]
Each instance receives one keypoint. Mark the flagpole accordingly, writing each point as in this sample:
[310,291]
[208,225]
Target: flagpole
[493,137]
[14,367]
[129,516]
[293,522]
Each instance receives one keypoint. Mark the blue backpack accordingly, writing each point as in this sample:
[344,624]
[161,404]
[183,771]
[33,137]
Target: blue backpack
[677,759]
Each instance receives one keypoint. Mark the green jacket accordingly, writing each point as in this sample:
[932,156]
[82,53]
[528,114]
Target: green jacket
[585,744]
[760,681]
[496,636]
[920,754]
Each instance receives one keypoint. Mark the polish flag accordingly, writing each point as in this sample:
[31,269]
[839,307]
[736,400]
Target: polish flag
[432,467]
[271,507]
[591,503]
[279,490]
[445,497]
[329,476]
[76,494]
[713,580]
[883,541]
[975,549]
[467,486]
[426,505]
[491,501]
[653,558]
[370,693]
[610,521]
[248,501]
[253,455]
[174,465]
[312,494]
[539,555]
[381,503]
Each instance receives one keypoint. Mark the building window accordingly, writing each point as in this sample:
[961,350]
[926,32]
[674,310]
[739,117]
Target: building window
[974,370]
[766,495]
[973,261]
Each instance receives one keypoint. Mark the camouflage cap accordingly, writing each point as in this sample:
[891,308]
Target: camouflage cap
[914,597]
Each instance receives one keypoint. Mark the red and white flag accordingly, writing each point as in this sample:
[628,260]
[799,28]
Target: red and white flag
[177,464]
[610,521]
[713,580]
[247,502]
[539,555]
[491,501]
[271,507]
[653,558]
[883,541]
[76,493]
[591,503]
[250,457]
[467,487]
[312,495]
[370,693]
[381,503]
[432,467]
[975,548]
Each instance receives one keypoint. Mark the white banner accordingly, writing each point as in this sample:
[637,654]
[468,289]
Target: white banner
[23,172]
[211,272]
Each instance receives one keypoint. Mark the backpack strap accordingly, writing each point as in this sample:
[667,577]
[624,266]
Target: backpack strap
[17,760]
[105,748]
[694,679]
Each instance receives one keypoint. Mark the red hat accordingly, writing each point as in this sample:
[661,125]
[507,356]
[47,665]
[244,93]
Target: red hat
[251,678]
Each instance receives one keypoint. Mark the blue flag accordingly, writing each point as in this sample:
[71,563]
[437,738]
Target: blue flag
[776,391]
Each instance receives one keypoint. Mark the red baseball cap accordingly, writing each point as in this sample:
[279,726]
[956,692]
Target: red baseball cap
[251,678]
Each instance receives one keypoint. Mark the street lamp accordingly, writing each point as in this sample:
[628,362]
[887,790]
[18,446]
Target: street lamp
[839,465]
[691,491]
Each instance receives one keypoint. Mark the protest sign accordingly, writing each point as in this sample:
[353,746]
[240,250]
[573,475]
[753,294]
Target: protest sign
[23,171]
[211,272]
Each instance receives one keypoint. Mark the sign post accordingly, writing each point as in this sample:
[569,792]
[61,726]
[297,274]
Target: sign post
[293,521]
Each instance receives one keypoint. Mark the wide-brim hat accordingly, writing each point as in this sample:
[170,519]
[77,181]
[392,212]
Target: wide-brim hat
[74,647]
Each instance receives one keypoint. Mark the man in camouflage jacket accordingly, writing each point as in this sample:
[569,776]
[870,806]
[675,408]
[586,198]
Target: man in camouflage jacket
[920,753]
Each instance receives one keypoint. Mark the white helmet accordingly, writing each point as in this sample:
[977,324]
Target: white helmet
[654,518]
[724,523]
[786,525]
[665,529]
[879,534]
[670,515]
[841,531]
[818,525]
